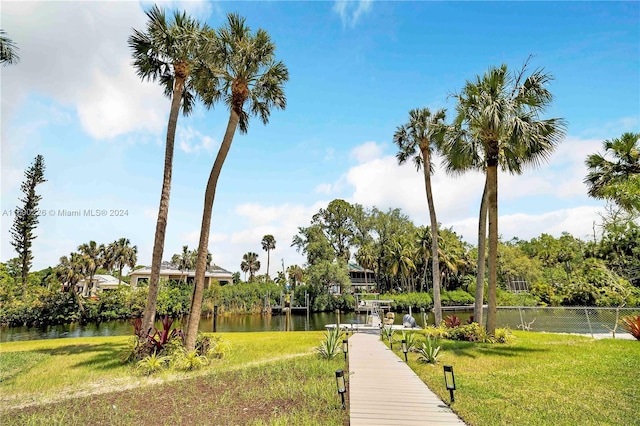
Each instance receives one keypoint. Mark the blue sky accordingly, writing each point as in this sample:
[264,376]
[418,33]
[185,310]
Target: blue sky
[356,69]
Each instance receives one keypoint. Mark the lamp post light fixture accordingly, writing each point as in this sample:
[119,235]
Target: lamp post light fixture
[345,348]
[341,385]
[449,380]
[405,349]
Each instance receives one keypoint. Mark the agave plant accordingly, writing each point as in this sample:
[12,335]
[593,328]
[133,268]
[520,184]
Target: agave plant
[410,338]
[429,352]
[330,347]
[631,323]
[388,332]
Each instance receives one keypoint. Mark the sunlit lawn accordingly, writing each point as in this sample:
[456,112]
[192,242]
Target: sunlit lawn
[270,378]
[541,379]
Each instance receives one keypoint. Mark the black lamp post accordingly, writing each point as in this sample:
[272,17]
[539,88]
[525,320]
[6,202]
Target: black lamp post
[449,380]
[342,387]
[345,348]
[405,349]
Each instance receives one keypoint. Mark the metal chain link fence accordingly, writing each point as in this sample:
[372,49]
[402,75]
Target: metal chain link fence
[592,321]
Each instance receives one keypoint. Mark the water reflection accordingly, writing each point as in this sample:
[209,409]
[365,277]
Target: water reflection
[225,324]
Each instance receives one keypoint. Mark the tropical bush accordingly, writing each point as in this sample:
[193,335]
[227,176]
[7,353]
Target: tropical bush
[457,298]
[186,360]
[473,332]
[452,321]
[503,335]
[439,332]
[219,348]
[152,364]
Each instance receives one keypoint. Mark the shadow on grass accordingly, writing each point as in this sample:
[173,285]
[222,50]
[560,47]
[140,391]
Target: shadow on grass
[105,356]
[474,349]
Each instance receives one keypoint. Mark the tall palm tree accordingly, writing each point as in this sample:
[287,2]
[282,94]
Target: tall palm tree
[121,254]
[615,175]
[91,260]
[250,264]
[268,244]
[8,50]
[419,138]
[499,113]
[167,52]
[244,73]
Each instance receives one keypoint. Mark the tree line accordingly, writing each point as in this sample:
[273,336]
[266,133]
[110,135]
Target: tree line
[498,125]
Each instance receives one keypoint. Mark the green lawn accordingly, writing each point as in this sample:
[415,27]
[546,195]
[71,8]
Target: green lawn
[541,379]
[270,378]
[274,378]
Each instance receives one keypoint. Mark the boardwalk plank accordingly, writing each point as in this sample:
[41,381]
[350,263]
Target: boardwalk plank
[383,390]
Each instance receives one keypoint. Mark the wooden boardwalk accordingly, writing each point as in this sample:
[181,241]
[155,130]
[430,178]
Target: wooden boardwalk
[383,390]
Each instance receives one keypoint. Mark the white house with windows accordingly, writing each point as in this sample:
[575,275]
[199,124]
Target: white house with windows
[170,271]
[100,283]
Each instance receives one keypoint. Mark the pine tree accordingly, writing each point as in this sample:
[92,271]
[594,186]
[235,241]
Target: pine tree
[27,218]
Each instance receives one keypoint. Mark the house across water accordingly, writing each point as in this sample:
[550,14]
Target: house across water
[169,271]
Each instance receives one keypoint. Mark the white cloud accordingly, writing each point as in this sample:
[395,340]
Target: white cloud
[191,140]
[351,11]
[577,221]
[107,107]
[91,74]
[367,151]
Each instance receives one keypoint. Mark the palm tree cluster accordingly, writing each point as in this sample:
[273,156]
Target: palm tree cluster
[90,256]
[498,124]
[389,244]
[192,61]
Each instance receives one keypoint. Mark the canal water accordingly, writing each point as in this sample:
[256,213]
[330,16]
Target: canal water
[557,320]
[225,324]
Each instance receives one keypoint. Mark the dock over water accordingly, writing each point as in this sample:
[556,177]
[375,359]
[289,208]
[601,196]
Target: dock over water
[383,390]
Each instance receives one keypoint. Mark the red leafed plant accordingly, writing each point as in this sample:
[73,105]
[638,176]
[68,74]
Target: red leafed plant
[452,321]
[161,337]
[632,324]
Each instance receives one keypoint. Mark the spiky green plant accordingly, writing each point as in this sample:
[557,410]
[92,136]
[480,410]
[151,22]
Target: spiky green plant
[152,364]
[429,352]
[330,347]
[219,348]
[186,360]
[387,333]
[411,339]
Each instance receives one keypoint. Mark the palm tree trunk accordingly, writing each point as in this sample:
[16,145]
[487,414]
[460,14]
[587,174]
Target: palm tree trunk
[120,274]
[268,261]
[482,243]
[492,200]
[201,262]
[437,302]
[149,314]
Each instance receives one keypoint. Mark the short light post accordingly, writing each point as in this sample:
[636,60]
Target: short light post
[345,348]
[341,385]
[405,349]
[449,380]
